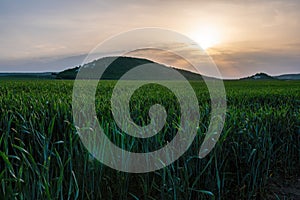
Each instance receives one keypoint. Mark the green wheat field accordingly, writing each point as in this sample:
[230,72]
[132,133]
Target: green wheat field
[42,157]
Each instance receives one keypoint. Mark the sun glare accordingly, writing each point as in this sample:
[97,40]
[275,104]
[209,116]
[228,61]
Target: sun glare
[206,37]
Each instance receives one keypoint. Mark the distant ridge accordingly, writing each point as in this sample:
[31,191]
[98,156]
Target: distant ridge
[14,75]
[288,77]
[119,67]
[259,76]
[264,76]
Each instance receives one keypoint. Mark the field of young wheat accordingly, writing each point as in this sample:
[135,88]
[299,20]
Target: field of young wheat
[42,156]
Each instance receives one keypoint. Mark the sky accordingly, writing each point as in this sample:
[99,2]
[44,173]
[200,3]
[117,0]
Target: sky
[243,37]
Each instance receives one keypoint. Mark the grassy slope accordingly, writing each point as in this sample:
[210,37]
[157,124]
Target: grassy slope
[119,67]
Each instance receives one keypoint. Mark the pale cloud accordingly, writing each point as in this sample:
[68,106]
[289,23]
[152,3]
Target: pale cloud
[255,35]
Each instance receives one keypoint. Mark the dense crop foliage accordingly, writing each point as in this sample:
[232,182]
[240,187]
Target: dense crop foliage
[42,157]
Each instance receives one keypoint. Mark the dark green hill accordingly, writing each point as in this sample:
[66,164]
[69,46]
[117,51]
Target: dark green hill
[119,67]
[259,76]
[25,76]
[288,77]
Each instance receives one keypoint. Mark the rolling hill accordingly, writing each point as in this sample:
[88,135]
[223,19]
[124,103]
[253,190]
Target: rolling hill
[120,66]
[288,77]
[22,76]
[259,76]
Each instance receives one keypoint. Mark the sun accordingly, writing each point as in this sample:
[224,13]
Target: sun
[206,37]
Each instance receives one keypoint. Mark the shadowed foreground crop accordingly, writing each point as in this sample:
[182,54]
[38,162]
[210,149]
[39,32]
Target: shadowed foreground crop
[42,157]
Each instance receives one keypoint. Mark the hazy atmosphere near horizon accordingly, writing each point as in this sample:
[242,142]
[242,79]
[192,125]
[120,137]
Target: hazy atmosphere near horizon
[243,37]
